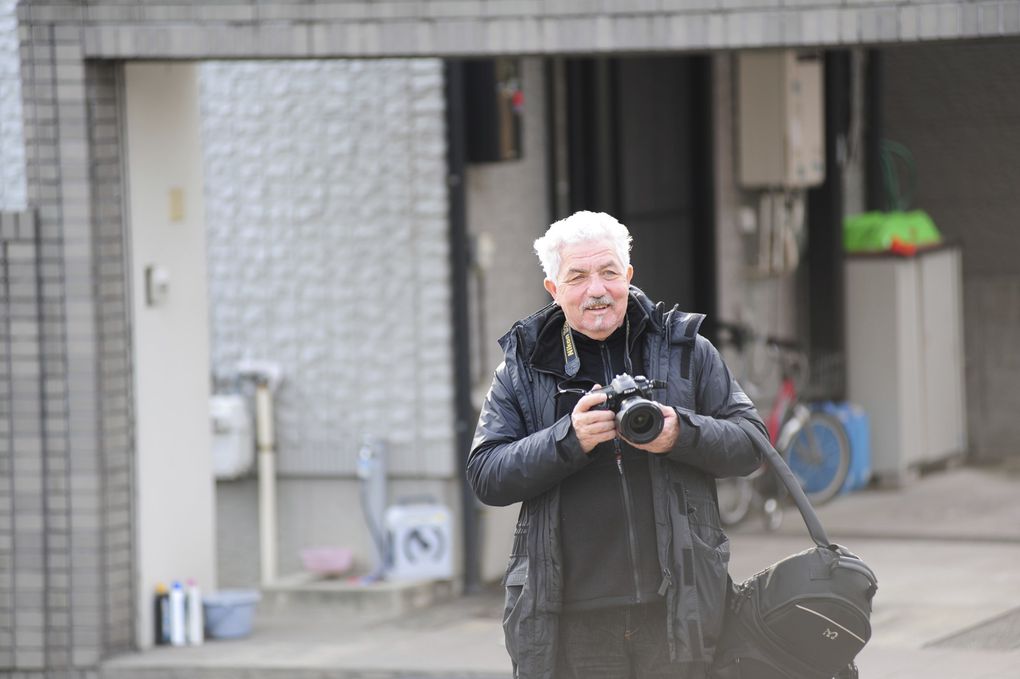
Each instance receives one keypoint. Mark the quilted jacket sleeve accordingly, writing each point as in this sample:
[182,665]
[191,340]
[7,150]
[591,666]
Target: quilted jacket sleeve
[506,463]
[725,436]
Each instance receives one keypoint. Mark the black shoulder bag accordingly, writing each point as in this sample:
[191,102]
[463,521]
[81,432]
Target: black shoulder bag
[804,617]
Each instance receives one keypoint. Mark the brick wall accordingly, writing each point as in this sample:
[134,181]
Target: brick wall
[115,463]
[24,521]
[70,446]
[12,144]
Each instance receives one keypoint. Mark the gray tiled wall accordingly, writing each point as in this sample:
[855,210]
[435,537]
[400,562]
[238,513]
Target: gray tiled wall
[114,377]
[70,444]
[23,520]
[12,144]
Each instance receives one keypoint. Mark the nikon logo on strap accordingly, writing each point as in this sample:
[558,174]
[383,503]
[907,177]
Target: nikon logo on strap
[570,358]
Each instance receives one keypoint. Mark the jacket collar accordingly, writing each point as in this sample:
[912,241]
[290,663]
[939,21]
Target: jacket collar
[544,339]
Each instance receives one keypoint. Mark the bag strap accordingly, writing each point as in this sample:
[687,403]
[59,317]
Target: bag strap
[807,512]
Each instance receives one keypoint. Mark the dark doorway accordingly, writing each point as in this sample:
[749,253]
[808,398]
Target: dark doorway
[639,142]
[822,269]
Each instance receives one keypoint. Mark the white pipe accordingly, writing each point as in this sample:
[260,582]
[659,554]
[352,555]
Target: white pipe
[267,480]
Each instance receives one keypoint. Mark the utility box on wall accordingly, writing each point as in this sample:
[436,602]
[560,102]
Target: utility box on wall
[233,436]
[781,119]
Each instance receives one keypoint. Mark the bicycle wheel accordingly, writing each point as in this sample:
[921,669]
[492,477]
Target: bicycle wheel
[735,496]
[819,455]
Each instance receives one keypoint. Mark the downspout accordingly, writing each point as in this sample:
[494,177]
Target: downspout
[266,444]
[464,412]
[267,377]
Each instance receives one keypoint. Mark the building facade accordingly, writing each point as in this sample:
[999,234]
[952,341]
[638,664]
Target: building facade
[75,530]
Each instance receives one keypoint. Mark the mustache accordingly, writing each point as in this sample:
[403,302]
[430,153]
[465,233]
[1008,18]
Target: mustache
[604,300]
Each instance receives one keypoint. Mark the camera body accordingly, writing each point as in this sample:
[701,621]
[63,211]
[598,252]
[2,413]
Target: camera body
[638,419]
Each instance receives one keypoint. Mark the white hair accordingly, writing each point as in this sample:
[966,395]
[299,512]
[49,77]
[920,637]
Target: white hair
[581,227]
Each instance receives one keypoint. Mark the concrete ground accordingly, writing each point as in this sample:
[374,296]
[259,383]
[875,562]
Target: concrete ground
[946,549]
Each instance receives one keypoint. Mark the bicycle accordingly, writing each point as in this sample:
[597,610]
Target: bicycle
[814,443]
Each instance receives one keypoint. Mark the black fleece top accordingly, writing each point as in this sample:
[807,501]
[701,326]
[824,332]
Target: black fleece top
[606,516]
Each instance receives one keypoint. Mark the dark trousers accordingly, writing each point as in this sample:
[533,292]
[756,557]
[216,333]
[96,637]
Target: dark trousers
[628,642]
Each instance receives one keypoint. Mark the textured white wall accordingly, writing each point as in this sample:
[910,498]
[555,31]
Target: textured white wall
[327,219]
[12,142]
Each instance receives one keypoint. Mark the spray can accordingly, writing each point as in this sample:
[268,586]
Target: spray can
[161,616]
[194,614]
[177,615]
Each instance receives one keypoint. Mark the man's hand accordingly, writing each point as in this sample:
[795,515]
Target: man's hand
[666,439]
[592,427]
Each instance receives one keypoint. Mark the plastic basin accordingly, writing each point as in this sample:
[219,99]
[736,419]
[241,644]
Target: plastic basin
[229,613]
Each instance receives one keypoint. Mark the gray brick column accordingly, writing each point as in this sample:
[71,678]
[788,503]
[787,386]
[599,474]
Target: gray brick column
[114,379]
[70,440]
[23,614]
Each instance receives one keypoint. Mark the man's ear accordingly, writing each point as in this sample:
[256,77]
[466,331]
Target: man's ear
[550,287]
[630,273]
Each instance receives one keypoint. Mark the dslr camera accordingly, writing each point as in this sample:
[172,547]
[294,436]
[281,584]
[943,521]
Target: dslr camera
[638,419]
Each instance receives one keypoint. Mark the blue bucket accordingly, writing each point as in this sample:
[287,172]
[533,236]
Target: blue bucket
[229,613]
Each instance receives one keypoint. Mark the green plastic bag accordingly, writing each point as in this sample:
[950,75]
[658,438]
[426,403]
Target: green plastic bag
[882,231]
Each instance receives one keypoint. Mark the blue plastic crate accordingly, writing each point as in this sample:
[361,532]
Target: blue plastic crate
[858,430]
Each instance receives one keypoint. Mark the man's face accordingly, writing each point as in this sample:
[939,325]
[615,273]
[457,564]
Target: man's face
[591,288]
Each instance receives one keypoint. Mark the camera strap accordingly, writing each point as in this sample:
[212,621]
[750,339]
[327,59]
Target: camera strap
[572,362]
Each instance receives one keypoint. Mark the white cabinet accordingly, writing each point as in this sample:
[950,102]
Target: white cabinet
[905,357]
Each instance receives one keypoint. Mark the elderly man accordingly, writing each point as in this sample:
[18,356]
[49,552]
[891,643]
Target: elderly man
[619,562]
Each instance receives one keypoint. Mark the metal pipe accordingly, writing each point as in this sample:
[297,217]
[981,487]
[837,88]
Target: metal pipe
[372,489]
[266,445]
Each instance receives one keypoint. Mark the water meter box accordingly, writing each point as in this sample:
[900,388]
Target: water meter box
[233,436]
[858,431]
[420,545]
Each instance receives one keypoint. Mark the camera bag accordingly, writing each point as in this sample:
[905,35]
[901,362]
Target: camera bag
[806,616]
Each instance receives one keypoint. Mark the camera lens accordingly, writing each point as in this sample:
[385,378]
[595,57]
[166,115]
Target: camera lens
[639,420]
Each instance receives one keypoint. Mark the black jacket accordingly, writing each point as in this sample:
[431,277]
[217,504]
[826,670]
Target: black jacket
[521,452]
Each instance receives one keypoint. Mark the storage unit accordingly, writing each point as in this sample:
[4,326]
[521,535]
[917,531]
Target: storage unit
[905,357]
